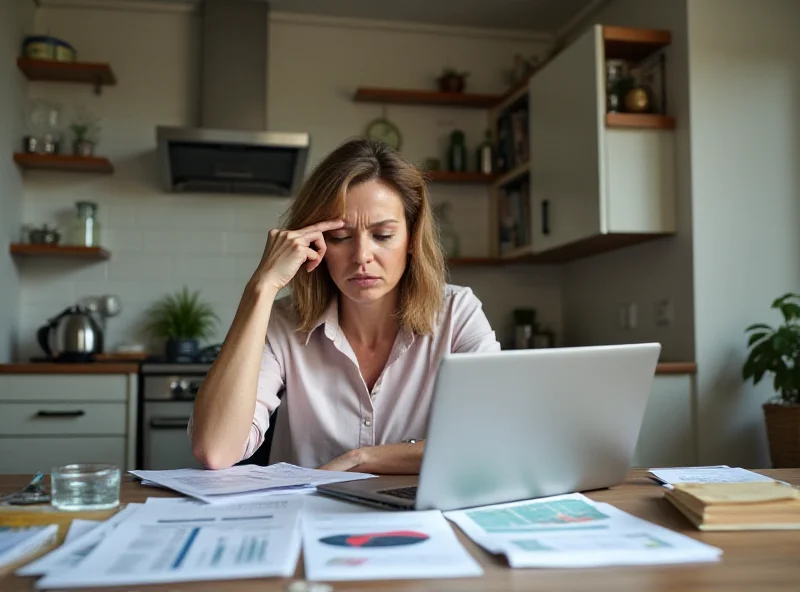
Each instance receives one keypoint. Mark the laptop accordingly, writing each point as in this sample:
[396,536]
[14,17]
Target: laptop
[522,424]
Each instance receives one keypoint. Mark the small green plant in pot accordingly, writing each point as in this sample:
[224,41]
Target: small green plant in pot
[182,319]
[776,351]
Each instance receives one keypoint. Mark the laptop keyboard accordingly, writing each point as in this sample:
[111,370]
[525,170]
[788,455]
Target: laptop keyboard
[408,493]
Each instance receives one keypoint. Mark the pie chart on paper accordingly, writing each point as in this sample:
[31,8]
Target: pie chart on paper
[394,538]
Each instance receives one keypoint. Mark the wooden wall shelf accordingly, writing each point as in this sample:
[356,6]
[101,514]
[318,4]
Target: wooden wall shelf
[424,97]
[24,250]
[640,121]
[458,177]
[64,162]
[96,74]
[624,43]
[485,261]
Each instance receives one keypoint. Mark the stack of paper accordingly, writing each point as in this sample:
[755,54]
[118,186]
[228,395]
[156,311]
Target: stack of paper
[738,506]
[16,543]
[574,531]
[177,542]
[352,545]
[716,474]
[245,483]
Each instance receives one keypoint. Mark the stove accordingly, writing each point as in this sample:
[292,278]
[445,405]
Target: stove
[166,396]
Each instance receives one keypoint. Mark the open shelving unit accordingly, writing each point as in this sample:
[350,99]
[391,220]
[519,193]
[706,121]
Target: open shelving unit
[96,74]
[44,250]
[65,162]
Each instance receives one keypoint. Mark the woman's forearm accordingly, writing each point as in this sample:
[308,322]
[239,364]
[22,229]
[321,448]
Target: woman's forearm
[225,404]
[387,459]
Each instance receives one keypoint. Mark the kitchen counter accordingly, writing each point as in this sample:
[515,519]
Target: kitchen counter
[55,368]
[677,368]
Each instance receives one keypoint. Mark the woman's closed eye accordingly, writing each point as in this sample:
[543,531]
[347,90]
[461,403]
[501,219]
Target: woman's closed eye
[383,237]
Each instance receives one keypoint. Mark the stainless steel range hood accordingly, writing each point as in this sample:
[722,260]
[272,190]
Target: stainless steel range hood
[231,151]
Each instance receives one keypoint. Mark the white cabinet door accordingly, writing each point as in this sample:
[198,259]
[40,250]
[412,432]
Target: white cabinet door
[566,114]
[28,455]
[667,437]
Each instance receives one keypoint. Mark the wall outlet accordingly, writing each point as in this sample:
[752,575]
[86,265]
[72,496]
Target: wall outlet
[628,315]
[665,315]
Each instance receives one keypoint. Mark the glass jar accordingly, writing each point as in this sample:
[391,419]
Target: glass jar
[85,229]
[457,152]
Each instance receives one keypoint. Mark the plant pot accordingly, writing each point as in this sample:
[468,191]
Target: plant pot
[783,434]
[82,148]
[451,83]
[181,350]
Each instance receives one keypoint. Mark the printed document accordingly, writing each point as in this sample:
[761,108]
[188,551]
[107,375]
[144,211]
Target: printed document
[164,543]
[715,474]
[241,484]
[383,545]
[574,531]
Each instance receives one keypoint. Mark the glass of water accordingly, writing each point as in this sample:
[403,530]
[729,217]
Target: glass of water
[85,487]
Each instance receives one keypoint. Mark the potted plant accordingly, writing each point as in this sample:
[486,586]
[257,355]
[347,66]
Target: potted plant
[182,319]
[452,81]
[776,351]
[85,131]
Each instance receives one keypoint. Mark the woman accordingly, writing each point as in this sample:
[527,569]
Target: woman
[356,347]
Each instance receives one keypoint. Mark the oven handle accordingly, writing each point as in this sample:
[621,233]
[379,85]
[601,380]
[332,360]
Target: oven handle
[169,423]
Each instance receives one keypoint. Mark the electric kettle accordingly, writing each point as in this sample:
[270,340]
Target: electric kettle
[71,336]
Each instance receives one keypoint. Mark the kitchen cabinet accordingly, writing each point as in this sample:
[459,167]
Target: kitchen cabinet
[668,435]
[593,180]
[48,420]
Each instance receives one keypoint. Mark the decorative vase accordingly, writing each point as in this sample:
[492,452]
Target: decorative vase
[637,100]
[83,148]
[457,152]
[181,350]
[783,434]
[451,83]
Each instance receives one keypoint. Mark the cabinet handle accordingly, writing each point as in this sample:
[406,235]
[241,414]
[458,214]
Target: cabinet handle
[169,423]
[78,413]
[545,216]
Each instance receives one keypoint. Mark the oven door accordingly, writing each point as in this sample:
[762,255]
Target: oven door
[166,443]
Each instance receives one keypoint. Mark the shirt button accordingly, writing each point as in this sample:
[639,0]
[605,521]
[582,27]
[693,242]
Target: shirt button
[367,422]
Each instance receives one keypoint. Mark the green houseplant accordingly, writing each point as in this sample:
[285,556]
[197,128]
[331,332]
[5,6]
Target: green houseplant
[182,319]
[776,351]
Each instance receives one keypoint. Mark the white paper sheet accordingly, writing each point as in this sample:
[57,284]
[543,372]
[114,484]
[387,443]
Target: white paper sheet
[78,528]
[18,542]
[165,543]
[71,553]
[244,483]
[715,474]
[383,545]
[573,531]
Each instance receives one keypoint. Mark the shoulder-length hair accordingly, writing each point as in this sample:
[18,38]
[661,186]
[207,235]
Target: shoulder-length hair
[322,198]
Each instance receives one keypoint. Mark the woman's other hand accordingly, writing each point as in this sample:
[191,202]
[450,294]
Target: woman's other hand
[287,250]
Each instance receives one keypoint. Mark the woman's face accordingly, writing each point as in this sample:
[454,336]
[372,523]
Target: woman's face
[367,256]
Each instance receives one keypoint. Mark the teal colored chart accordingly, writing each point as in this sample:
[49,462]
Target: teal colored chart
[539,516]
[599,542]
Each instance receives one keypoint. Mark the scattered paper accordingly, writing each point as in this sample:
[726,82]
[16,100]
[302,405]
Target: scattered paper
[71,553]
[79,528]
[245,483]
[383,545]
[18,542]
[164,543]
[714,474]
[574,531]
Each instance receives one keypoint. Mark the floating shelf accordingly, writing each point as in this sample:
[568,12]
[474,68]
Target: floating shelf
[64,162]
[484,261]
[424,97]
[640,120]
[513,175]
[36,250]
[459,177]
[625,43]
[95,74]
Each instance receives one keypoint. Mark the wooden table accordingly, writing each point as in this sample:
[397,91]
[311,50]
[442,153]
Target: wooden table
[761,561]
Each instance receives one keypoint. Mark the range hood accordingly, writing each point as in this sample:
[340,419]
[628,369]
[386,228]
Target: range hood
[231,151]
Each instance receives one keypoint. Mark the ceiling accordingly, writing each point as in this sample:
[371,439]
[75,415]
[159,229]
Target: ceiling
[531,15]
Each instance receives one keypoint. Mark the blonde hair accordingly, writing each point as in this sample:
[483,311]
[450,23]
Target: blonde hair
[322,198]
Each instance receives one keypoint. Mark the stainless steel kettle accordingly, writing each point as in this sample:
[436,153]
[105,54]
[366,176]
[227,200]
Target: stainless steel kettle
[72,336]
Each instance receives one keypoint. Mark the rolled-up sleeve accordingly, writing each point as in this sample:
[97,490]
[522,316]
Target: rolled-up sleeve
[471,329]
[271,381]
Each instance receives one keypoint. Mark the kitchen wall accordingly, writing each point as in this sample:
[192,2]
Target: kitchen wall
[594,288]
[745,93]
[162,241]
[16,19]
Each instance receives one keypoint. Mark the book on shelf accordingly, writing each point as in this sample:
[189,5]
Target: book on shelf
[514,217]
[512,138]
[757,505]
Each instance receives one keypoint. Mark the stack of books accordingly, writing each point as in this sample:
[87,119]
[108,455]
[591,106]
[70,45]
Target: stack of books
[764,505]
